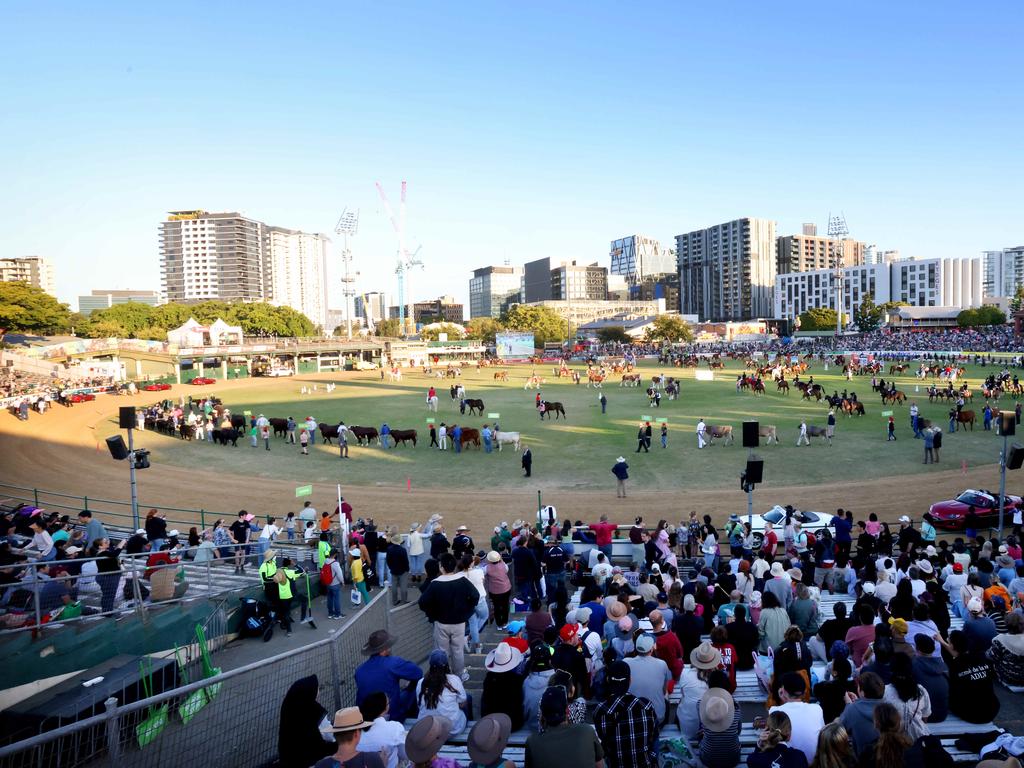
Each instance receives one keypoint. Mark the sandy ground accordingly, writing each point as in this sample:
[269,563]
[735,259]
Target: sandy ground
[59,452]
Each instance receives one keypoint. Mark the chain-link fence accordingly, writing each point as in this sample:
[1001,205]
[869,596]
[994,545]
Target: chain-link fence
[227,719]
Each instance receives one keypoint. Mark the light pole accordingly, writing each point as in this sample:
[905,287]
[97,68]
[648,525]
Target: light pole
[347,226]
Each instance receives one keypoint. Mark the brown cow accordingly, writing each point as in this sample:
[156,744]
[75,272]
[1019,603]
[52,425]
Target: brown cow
[402,435]
[365,433]
[723,431]
[768,431]
[470,435]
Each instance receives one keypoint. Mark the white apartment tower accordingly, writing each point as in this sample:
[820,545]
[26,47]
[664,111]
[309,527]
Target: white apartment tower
[1004,271]
[34,270]
[211,256]
[294,272]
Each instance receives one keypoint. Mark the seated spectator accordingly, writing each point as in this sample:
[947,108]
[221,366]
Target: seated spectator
[704,660]
[626,724]
[791,655]
[832,694]
[743,636]
[922,624]
[539,674]
[931,673]
[773,623]
[835,750]
[503,684]
[577,704]
[537,620]
[830,631]
[803,612]
[719,729]
[687,626]
[347,728]
[858,716]
[384,736]
[649,677]
[899,629]
[979,629]
[807,719]
[909,698]
[384,672]
[893,748]
[773,749]
[1007,651]
[562,744]
[423,742]
[879,659]
[487,741]
[569,656]
[971,682]
[442,693]
[720,639]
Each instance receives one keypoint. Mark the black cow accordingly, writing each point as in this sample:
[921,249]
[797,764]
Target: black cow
[280,426]
[224,436]
[238,422]
[328,431]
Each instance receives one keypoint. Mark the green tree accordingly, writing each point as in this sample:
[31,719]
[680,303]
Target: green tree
[1017,302]
[819,319]
[432,334]
[546,324]
[613,334]
[987,315]
[391,328]
[670,328]
[26,309]
[483,328]
[130,317]
[868,316]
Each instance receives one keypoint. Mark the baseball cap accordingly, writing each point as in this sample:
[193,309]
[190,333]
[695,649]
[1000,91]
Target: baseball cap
[567,633]
[868,588]
[662,597]
[515,627]
[958,567]
[899,625]
[438,658]
[553,705]
[583,615]
[904,519]
[617,675]
[644,644]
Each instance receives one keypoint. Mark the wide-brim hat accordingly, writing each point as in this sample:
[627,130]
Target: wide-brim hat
[777,570]
[503,658]
[493,557]
[348,719]
[1009,762]
[706,656]
[1005,561]
[269,555]
[378,641]
[413,527]
[717,710]
[434,518]
[426,737]
[620,459]
[396,538]
[488,738]
[462,528]
[925,566]
[616,610]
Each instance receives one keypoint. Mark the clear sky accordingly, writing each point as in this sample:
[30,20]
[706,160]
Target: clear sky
[524,129]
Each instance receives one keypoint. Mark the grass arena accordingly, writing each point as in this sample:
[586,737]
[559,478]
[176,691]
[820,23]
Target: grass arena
[572,457]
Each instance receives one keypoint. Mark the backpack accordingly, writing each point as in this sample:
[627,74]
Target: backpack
[326,575]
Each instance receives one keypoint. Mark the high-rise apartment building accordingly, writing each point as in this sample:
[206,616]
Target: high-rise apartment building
[34,270]
[637,257]
[211,256]
[803,253]
[727,272]
[1004,272]
[493,289]
[578,282]
[443,309]
[372,307]
[295,272]
[100,299]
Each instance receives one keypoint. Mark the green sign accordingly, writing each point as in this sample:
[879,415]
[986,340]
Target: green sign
[661,420]
[645,418]
[304,490]
[247,413]
[886,413]
[493,415]
[430,421]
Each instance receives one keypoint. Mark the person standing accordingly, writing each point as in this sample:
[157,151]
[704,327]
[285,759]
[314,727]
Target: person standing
[803,439]
[830,426]
[892,430]
[397,560]
[433,437]
[929,446]
[701,430]
[527,461]
[621,472]
[385,435]
[442,437]
[449,601]
[304,441]
[664,435]
[334,588]
[498,588]
[604,402]
[937,444]
[290,430]
[641,440]
[914,414]
[647,437]
[265,436]
[342,440]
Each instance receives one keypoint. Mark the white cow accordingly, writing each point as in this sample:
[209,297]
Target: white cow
[507,437]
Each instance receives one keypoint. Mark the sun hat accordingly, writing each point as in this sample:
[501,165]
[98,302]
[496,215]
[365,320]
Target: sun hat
[413,527]
[438,658]
[396,538]
[689,603]
[616,610]
[503,658]
[488,738]
[493,557]
[426,737]
[1003,549]
[620,459]
[645,644]
[795,574]
[435,517]
[899,625]
[717,710]
[515,627]
[348,719]
[974,605]
[378,641]
[583,615]
[868,587]
[568,633]
[1005,561]
[925,566]
[461,528]
[776,570]
[706,656]
[904,519]
[354,552]
[930,551]
[270,554]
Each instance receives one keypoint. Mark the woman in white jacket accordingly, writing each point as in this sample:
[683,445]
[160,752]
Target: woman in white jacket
[417,554]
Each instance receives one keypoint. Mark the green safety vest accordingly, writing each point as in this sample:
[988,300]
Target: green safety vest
[323,550]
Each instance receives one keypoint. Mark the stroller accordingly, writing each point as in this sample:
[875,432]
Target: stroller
[257,619]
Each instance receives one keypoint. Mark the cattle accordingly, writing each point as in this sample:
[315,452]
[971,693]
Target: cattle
[280,426]
[813,431]
[722,432]
[475,404]
[501,375]
[328,431]
[768,431]
[630,380]
[365,433]
[402,435]
[224,436]
[238,421]
[511,438]
[470,435]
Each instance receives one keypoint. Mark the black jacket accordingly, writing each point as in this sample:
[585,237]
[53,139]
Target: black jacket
[450,599]
[524,564]
[503,692]
[397,559]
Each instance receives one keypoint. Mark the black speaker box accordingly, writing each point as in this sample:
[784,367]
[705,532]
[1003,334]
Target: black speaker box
[755,471]
[1008,423]
[126,417]
[117,447]
[750,438]
[1015,456]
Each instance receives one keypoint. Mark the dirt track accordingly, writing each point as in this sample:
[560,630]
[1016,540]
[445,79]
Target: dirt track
[58,452]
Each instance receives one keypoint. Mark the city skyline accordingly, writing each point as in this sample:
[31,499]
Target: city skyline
[519,145]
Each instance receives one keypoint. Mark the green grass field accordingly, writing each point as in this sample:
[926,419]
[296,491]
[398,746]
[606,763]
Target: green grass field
[578,453]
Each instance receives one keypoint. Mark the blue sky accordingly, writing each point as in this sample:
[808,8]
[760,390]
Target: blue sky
[524,130]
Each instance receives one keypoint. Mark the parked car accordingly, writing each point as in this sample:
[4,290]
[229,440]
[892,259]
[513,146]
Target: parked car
[201,380]
[156,387]
[364,365]
[951,514]
[809,521]
[280,372]
[81,397]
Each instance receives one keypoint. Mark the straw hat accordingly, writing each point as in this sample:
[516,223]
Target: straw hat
[396,538]
[270,554]
[616,610]
[488,738]
[348,719]
[426,737]
[503,658]
[620,460]
[717,710]
[493,557]
[706,656]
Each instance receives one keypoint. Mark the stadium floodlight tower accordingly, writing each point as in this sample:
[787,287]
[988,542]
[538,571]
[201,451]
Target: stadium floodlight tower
[406,261]
[347,226]
[837,231]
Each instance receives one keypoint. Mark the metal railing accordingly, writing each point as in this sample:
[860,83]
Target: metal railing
[229,718]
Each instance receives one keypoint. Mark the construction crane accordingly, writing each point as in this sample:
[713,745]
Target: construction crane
[405,261]
[347,226]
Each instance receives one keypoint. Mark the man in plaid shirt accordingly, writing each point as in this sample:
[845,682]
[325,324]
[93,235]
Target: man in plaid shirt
[626,725]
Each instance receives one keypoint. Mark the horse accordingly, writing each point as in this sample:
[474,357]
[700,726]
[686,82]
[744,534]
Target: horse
[365,433]
[809,390]
[533,382]
[630,380]
[594,379]
[850,407]
[558,408]
[901,368]
[501,375]
[512,438]
[965,418]
[470,435]
[894,396]
[782,386]
[768,431]
[475,404]
[432,403]
[724,432]
[402,435]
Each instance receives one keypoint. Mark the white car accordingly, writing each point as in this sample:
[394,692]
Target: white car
[365,365]
[810,521]
[280,372]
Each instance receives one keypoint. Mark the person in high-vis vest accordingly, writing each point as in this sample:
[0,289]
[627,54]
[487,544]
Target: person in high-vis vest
[277,586]
[267,571]
[323,550]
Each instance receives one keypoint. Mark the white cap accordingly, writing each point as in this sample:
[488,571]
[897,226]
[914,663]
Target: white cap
[904,519]
[140,532]
[173,532]
[868,587]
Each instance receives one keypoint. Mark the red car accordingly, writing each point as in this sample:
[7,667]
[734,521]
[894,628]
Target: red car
[951,514]
[81,397]
[203,380]
[156,387]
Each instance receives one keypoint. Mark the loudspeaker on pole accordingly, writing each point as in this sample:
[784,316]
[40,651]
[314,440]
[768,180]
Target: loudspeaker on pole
[750,434]
[126,417]
[1015,456]
[1007,423]
[755,471]
[118,450]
